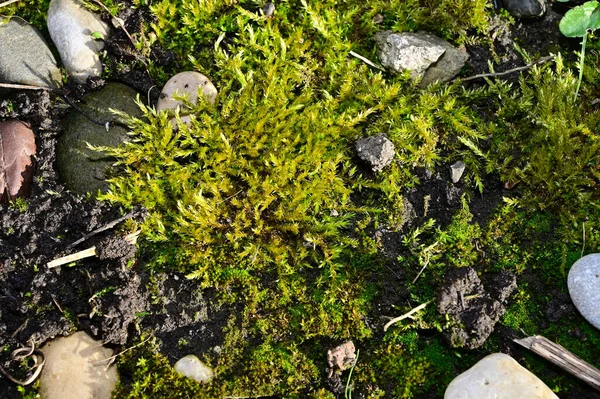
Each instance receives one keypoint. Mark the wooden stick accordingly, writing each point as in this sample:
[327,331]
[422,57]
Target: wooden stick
[22,87]
[366,61]
[487,75]
[564,359]
[7,3]
[86,253]
[405,315]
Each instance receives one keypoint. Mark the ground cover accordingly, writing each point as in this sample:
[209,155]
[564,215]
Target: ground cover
[260,216]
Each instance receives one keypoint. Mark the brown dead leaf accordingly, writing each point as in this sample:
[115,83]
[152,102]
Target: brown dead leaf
[17,146]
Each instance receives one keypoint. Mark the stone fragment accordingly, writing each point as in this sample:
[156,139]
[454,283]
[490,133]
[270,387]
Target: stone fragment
[81,169]
[25,57]
[192,367]
[407,51]
[17,147]
[268,9]
[456,171]
[377,151]
[449,64]
[584,287]
[185,84]
[74,369]
[498,376]
[341,357]
[71,27]
[525,8]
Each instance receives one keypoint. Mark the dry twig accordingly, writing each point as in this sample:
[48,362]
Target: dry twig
[494,74]
[18,355]
[22,87]
[366,61]
[7,3]
[406,315]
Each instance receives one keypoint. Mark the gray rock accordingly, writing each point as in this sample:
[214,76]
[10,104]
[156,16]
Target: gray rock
[268,9]
[525,8]
[456,171]
[584,287]
[498,376]
[25,57]
[407,51]
[71,27]
[192,367]
[378,151]
[185,84]
[79,168]
[448,66]
[74,369]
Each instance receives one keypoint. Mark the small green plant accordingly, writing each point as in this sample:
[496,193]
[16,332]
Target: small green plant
[348,390]
[579,22]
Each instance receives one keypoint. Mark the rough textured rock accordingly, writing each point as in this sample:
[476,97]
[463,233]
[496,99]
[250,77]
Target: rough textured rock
[80,168]
[584,287]
[70,371]
[268,9]
[456,171]
[498,376]
[474,311]
[340,358]
[407,51]
[71,27]
[449,64]
[185,84]
[525,8]
[378,151]
[25,56]
[17,146]
[192,367]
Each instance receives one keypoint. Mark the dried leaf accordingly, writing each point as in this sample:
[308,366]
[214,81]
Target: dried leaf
[17,146]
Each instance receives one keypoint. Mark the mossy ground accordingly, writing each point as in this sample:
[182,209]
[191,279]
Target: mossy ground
[244,200]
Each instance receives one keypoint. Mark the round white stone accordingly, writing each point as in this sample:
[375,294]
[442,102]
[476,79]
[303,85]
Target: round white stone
[192,367]
[74,369]
[498,376]
[187,85]
[584,287]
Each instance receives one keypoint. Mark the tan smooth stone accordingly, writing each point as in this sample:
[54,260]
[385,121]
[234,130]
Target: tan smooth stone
[185,84]
[498,376]
[70,372]
[192,367]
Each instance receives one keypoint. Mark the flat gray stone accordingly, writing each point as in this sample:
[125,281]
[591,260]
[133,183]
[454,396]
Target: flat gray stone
[378,151]
[25,57]
[192,367]
[525,8]
[456,171]
[71,27]
[447,66]
[584,287]
[75,369]
[185,85]
[407,51]
[80,168]
[498,376]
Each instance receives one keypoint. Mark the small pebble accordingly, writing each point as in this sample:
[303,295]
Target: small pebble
[192,367]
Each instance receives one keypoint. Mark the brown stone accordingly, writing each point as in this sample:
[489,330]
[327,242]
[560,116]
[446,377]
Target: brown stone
[17,146]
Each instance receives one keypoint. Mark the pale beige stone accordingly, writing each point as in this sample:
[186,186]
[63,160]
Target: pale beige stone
[70,371]
[192,367]
[185,84]
[498,376]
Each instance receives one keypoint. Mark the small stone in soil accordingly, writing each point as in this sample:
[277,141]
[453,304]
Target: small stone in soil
[185,84]
[377,151]
[71,27]
[268,9]
[192,367]
[498,376]
[26,58]
[525,8]
[456,171]
[74,370]
[584,287]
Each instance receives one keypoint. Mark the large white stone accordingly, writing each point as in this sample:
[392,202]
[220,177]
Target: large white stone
[71,372]
[186,85]
[584,287]
[498,376]
[192,367]
[71,27]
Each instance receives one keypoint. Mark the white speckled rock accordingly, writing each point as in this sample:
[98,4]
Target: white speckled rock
[185,84]
[70,372]
[25,57]
[498,376]
[192,367]
[71,27]
[584,287]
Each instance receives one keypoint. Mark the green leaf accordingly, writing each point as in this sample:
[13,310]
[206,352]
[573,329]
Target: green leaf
[97,36]
[579,20]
